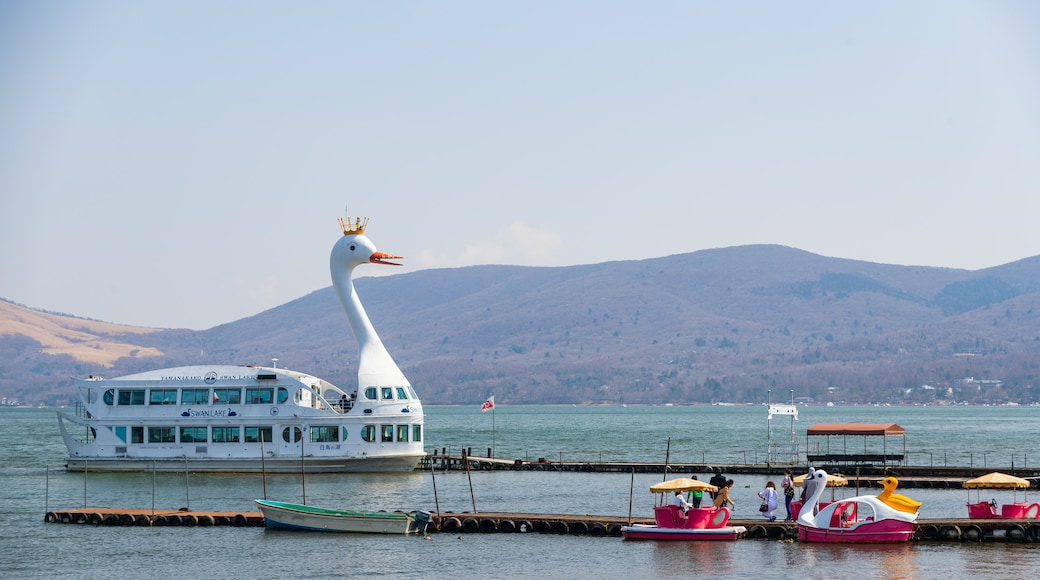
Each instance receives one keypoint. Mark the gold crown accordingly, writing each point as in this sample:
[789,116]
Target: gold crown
[358,227]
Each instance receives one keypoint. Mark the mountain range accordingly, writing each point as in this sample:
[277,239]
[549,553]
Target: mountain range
[738,324]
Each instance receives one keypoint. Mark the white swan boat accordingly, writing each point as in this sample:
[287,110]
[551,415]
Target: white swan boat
[227,418]
[864,519]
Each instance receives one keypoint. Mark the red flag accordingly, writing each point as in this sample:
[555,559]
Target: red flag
[488,404]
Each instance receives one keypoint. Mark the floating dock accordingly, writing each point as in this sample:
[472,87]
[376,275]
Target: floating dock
[910,476]
[946,530]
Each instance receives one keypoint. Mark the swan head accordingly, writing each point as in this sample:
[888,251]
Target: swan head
[355,249]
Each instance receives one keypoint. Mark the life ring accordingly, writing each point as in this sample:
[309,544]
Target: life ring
[1033,533]
[506,526]
[972,533]
[451,525]
[930,532]
[1015,533]
[950,533]
[488,526]
[757,532]
[579,529]
[50,518]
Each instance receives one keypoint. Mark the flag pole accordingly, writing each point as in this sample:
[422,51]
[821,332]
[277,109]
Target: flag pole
[492,431]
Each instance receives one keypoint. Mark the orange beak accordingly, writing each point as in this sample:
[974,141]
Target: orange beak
[382,257]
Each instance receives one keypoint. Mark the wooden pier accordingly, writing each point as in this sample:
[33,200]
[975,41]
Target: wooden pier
[910,476]
[945,530]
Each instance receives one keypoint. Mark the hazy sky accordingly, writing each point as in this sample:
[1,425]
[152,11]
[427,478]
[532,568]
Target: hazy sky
[182,164]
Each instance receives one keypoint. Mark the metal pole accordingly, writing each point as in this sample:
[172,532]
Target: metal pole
[769,425]
[631,491]
[153,487]
[47,491]
[436,501]
[263,463]
[472,497]
[85,469]
[187,496]
[303,471]
[667,454]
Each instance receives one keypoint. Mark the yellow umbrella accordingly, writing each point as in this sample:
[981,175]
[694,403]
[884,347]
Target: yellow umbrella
[997,480]
[833,480]
[682,484]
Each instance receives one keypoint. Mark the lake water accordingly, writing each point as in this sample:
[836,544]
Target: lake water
[31,481]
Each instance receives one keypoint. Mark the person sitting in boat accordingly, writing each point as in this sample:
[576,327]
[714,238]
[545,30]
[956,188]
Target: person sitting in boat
[681,503]
[722,496]
[696,496]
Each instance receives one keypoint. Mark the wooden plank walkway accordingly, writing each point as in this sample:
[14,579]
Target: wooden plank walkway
[944,530]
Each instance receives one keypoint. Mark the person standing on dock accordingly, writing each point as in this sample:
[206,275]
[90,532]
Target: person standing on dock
[788,486]
[722,497]
[769,501]
[718,480]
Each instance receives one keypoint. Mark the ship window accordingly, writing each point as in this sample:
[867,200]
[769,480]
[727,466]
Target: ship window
[227,396]
[345,431]
[370,393]
[401,394]
[324,434]
[164,397]
[368,433]
[417,433]
[283,396]
[388,393]
[121,433]
[195,397]
[295,435]
[131,396]
[161,435]
[137,434]
[225,434]
[259,396]
[388,432]
[110,396]
[193,435]
[412,391]
[253,434]
[402,433]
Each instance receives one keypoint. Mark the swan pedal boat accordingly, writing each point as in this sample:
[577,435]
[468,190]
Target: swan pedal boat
[863,519]
[305,517]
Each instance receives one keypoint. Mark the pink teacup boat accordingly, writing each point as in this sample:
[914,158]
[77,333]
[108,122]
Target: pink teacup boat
[672,523]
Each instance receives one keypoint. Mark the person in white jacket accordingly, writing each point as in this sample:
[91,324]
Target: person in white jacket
[769,500]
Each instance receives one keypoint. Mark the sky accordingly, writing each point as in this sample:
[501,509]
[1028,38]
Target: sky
[181,164]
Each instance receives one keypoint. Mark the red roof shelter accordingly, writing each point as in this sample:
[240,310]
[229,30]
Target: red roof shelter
[824,453]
